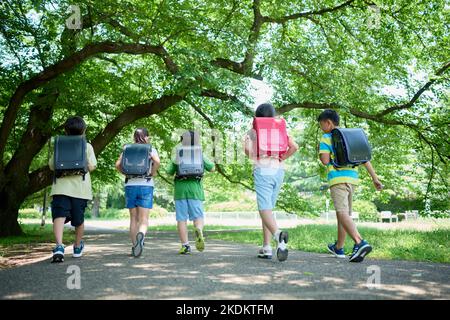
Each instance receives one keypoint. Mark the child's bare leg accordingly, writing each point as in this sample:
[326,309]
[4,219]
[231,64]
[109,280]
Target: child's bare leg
[182,231]
[349,226]
[79,232]
[341,235]
[266,235]
[269,221]
[199,223]
[133,224]
[58,229]
[143,219]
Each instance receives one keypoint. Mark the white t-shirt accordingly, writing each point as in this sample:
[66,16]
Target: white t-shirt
[142,181]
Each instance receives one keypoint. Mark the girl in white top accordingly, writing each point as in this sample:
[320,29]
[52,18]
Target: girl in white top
[139,195]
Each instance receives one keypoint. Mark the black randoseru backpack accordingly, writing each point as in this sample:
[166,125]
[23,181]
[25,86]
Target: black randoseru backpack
[189,160]
[136,161]
[351,147]
[69,156]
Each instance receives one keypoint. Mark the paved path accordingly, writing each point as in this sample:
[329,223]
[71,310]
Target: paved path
[224,271]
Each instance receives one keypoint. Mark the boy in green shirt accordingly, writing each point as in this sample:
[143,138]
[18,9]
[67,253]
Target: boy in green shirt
[189,197]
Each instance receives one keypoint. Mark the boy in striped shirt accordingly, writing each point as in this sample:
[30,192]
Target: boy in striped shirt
[342,182]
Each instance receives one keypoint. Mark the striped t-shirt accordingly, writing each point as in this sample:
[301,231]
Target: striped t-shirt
[336,175]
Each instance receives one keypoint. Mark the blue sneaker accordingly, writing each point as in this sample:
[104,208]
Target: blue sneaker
[58,254]
[360,250]
[78,251]
[338,253]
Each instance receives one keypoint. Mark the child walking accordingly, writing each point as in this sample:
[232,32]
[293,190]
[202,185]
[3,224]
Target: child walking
[139,194]
[189,194]
[342,183]
[70,194]
[268,173]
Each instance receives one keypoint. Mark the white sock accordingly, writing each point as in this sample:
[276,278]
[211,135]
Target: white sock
[186,244]
[267,247]
[276,235]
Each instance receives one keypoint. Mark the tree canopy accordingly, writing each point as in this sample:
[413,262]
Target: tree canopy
[169,64]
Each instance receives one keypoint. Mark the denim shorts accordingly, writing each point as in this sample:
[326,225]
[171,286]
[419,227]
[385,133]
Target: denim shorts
[139,196]
[188,208]
[268,182]
[70,208]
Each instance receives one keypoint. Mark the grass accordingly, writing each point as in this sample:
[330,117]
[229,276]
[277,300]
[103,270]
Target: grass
[34,233]
[430,246]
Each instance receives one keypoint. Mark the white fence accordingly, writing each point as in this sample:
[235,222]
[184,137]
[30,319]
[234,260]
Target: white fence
[243,215]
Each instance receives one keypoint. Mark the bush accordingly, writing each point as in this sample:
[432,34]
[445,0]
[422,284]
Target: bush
[230,206]
[367,210]
[30,213]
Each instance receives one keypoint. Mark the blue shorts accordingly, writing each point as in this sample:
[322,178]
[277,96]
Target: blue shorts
[188,208]
[268,183]
[139,196]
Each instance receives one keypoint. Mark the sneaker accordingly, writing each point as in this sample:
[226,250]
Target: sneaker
[360,251]
[58,254]
[199,240]
[139,246]
[338,253]
[185,249]
[282,251]
[78,251]
[264,254]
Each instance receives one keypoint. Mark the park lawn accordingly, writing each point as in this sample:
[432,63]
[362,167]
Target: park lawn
[430,246]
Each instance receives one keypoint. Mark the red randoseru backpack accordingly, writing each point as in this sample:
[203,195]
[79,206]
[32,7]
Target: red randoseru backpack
[271,136]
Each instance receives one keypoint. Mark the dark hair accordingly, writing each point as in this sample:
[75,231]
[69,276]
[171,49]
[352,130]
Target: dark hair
[75,126]
[329,114]
[140,134]
[190,138]
[265,110]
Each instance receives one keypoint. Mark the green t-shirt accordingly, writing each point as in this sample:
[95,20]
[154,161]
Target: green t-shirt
[189,188]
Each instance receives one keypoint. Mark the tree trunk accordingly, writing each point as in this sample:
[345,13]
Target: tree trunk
[96,206]
[9,212]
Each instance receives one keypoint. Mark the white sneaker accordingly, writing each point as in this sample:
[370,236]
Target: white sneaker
[265,253]
[282,251]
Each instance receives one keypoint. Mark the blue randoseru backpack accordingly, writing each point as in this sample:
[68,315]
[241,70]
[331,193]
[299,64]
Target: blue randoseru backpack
[136,161]
[351,147]
[189,161]
[69,156]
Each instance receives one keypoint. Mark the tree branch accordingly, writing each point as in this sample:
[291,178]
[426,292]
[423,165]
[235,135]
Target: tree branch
[417,95]
[42,177]
[63,66]
[307,13]
[245,67]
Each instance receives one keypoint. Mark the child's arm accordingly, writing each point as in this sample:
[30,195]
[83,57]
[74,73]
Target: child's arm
[118,164]
[155,165]
[248,145]
[92,160]
[325,158]
[324,149]
[209,166]
[292,148]
[374,176]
